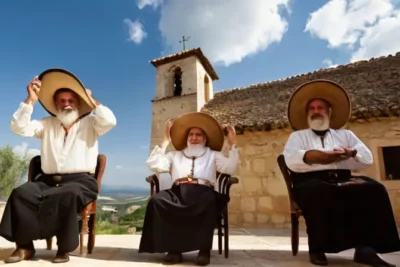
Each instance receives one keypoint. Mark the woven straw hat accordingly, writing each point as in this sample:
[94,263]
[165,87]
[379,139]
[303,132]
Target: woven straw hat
[54,79]
[322,89]
[181,126]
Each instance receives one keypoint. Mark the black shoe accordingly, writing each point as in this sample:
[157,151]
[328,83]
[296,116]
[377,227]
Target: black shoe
[61,257]
[318,259]
[203,258]
[173,258]
[20,254]
[368,256]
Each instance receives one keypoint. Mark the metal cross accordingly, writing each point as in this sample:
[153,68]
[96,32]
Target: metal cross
[183,41]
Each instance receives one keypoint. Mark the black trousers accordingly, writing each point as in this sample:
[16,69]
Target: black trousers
[181,219]
[43,209]
[343,217]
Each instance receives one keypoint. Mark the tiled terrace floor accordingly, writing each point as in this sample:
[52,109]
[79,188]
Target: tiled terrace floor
[248,248]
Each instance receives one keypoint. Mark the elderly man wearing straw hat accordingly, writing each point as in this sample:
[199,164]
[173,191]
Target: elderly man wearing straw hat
[341,211]
[183,218]
[69,149]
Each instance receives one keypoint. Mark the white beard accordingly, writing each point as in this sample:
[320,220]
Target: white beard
[194,150]
[67,116]
[319,124]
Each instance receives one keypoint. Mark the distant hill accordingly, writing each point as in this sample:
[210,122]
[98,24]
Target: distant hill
[111,190]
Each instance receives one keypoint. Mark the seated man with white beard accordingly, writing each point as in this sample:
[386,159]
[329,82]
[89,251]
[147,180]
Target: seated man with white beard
[341,211]
[49,206]
[183,218]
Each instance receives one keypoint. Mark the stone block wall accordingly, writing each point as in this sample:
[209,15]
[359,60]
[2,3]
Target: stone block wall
[261,199]
[168,108]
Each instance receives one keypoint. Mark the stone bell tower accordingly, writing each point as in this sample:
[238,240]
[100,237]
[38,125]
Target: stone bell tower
[183,84]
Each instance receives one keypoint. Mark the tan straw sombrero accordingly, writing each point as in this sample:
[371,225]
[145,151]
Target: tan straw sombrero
[54,79]
[323,89]
[181,126]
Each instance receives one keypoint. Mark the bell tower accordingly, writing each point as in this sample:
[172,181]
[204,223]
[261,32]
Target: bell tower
[183,84]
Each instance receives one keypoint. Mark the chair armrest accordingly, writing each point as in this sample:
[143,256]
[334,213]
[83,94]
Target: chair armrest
[233,180]
[149,179]
[154,182]
[225,181]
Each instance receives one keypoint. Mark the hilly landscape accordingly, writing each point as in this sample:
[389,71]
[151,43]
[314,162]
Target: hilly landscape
[121,209]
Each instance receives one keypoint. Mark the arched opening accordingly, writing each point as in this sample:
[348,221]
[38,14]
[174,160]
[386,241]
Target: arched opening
[206,89]
[177,82]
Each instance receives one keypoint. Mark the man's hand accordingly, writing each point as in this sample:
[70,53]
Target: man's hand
[168,125]
[354,181]
[89,93]
[349,153]
[33,89]
[323,157]
[231,135]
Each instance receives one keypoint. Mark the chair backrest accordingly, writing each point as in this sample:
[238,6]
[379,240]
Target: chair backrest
[222,182]
[100,168]
[287,175]
[35,168]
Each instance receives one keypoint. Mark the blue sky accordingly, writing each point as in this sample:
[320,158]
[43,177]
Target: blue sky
[108,45]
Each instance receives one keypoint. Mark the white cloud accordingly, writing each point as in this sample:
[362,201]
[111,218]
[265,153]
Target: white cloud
[226,30]
[136,31]
[329,63]
[118,167]
[369,28]
[23,150]
[154,3]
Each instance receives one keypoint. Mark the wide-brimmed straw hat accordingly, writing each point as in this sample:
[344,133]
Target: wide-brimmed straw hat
[54,79]
[182,124]
[322,89]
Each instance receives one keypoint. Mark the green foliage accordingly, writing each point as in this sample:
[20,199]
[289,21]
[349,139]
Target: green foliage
[106,228]
[135,217]
[112,224]
[12,170]
[102,215]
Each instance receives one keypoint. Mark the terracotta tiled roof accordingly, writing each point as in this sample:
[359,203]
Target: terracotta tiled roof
[185,54]
[373,86]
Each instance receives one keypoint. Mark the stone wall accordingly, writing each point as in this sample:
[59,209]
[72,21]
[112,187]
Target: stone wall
[261,200]
[166,109]
[165,78]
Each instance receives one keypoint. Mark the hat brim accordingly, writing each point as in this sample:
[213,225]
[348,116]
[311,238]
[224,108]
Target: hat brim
[181,126]
[54,79]
[322,89]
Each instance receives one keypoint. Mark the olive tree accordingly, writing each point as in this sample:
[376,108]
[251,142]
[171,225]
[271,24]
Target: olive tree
[13,169]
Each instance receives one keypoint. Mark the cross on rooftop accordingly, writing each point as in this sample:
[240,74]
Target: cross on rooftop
[184,40]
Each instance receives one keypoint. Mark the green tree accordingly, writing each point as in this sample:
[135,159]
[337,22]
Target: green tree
[135,218]
[13,168]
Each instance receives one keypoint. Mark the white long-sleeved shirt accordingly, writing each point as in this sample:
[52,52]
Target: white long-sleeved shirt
[205,166]
[80,150]
[300,142]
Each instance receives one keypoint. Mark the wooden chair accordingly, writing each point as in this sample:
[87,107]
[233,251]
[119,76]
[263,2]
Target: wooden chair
[295,211]
[88,219]
[224,182]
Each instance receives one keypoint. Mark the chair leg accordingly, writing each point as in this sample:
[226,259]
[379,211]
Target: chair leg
[81,243]
[295,233]
[226,233]
[49,242]
[83,231]
[92,233]
[219,235]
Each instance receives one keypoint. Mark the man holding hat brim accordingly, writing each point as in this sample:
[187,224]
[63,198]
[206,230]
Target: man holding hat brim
[69,148]
[183,218]
[341,211]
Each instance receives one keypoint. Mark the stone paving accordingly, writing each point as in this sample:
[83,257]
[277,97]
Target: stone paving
[248,248]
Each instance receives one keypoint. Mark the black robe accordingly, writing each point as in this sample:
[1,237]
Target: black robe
[45,208]
[181,219]
[340,217]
